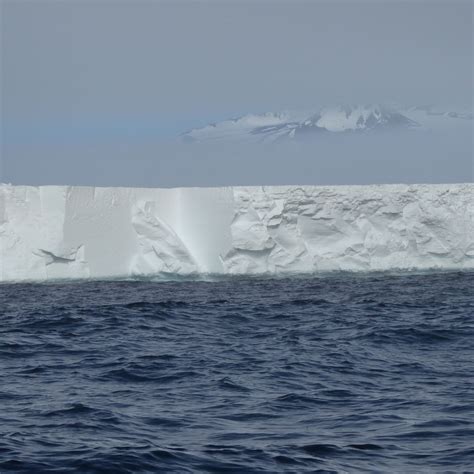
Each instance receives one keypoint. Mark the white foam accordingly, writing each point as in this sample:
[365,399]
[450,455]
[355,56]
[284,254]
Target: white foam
[55,232]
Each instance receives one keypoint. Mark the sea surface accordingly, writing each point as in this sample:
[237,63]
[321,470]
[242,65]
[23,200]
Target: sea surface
[337,373]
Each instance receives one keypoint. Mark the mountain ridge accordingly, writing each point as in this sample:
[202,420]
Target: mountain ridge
[290,125]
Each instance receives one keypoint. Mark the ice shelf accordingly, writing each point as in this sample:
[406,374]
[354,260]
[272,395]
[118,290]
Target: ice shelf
[56,232]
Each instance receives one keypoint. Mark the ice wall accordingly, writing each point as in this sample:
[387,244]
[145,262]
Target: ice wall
[55,232]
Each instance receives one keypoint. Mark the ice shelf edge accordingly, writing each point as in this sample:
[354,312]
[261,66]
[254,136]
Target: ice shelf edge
[71,232]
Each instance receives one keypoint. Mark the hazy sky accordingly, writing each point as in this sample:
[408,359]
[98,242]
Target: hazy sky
[92,89]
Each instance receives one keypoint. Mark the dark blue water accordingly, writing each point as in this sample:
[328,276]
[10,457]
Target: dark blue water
[343,373]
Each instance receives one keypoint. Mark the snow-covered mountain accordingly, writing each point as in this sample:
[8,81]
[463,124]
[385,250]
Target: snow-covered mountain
[270,127]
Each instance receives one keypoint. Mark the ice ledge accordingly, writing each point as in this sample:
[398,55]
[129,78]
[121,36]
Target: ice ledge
[55,232]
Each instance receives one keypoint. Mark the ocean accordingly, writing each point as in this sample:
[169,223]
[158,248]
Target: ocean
[334,373]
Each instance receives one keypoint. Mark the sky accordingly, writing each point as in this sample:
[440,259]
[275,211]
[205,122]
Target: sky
[96,92]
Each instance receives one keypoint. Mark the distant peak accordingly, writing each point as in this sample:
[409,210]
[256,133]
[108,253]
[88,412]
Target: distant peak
[359,118]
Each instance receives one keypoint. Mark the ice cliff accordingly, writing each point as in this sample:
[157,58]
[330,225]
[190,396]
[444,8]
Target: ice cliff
[54,232]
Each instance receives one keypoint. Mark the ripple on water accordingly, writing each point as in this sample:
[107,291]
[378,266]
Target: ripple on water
[346,373]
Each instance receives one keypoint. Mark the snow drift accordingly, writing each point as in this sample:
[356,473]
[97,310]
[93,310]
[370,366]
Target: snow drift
[53,232]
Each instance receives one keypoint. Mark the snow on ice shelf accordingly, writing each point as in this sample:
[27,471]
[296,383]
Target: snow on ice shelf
[54,232]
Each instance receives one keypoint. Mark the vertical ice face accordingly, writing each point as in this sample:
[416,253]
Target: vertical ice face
[58,232]
[204,218]
[32,241]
